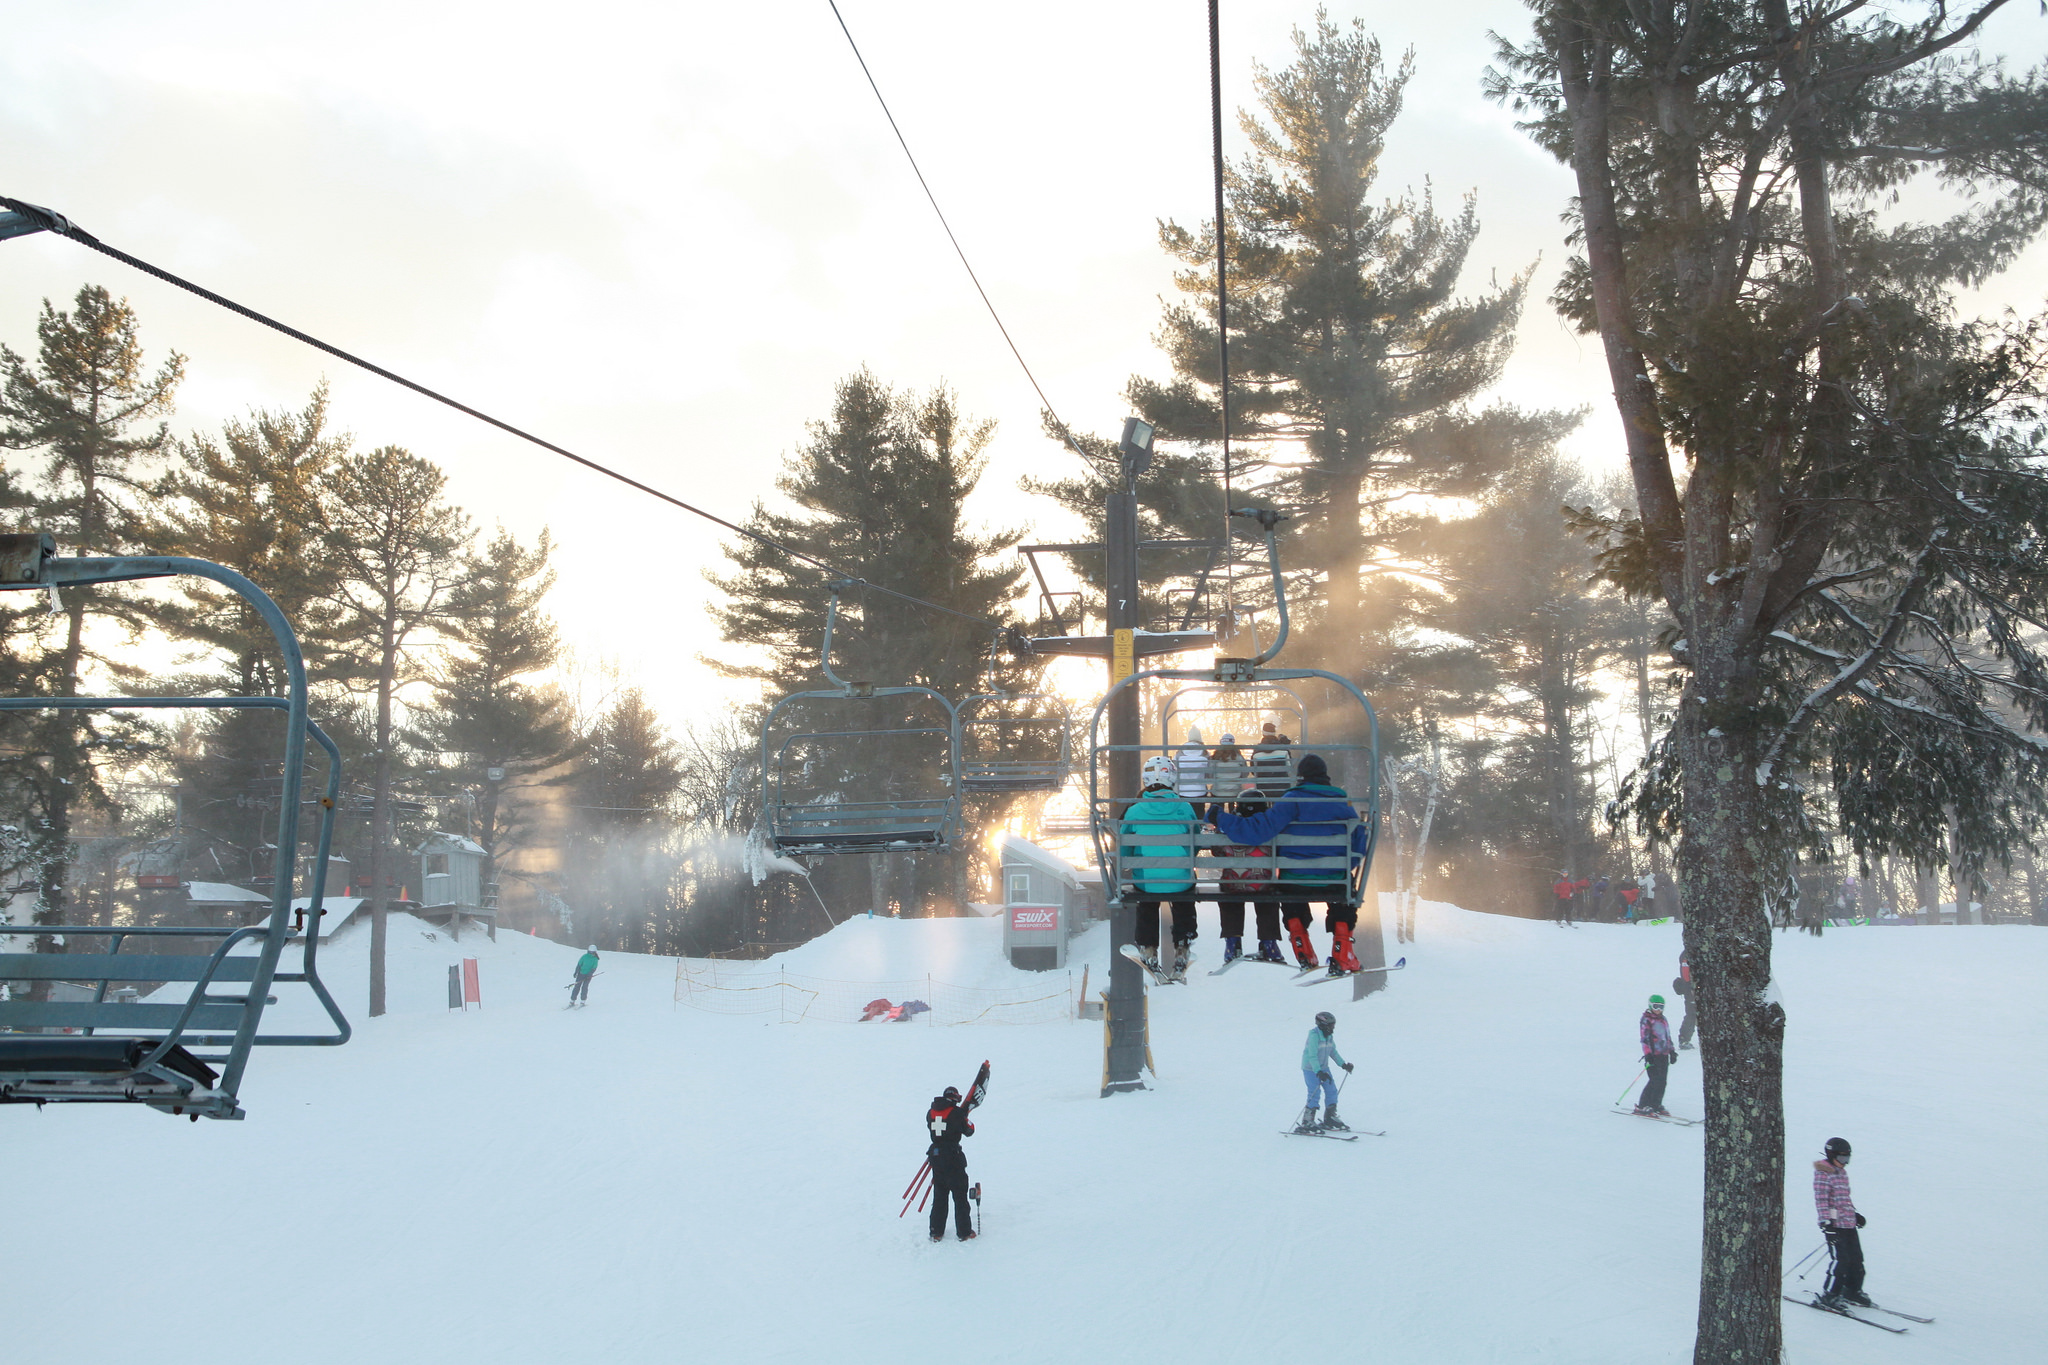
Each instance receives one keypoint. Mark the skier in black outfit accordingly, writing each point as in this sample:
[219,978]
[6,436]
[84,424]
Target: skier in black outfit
[947,1120]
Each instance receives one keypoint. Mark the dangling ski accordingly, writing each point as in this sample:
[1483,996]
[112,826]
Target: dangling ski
[1152,969]
[1346,976]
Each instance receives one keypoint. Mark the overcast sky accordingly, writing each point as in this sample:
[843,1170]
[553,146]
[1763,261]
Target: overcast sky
[658,233]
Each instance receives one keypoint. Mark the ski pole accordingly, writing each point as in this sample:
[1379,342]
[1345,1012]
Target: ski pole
[1632,1081]
[1803,1260]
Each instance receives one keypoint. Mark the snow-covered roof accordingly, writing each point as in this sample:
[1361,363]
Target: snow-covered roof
[225,893]
[441,839]
[1016,850]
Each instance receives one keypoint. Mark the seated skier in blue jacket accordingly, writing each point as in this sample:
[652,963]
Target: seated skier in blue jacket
[1310,810]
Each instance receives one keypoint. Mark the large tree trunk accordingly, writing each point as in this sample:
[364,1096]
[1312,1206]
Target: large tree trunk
[1730,866]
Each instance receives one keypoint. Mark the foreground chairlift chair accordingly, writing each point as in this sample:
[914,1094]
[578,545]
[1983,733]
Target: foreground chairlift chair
[1237,687]
[1013,742]
[183,1050]
[885,786]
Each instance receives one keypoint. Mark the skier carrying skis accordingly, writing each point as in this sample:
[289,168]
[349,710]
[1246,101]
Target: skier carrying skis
[1317,810]
[1167,823]
[586,967]
[1838,1223]
[948,1123]
[1317,1056]
[1658,1055]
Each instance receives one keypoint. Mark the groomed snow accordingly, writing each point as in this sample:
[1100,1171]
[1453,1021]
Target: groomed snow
[635,1182]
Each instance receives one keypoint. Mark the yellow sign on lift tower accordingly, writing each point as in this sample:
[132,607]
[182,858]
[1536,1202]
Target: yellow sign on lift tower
[1122,656]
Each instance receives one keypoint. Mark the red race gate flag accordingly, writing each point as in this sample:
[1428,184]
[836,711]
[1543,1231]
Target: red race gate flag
[472,989]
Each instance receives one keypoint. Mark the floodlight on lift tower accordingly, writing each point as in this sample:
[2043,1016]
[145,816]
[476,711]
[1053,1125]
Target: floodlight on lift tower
[1134,451]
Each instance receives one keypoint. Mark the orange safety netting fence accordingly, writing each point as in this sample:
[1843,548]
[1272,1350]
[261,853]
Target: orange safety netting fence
[746,988]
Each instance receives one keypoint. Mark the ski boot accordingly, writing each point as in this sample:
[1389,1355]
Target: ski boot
[969,1235]
[1307,1123]
[1183,954]
[1645,1110]
[1859,1298]
[1233,948]
[1343,961]
[1304,951]
[938,1237]
[1331,1122]
[1269,951]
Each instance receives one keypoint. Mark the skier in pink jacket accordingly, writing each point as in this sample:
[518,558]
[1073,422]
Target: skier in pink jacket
[1658,1055]
[1838,1223]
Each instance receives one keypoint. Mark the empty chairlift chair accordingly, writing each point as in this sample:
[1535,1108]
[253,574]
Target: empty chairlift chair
[880,774]
[1013,742]
[184,1048]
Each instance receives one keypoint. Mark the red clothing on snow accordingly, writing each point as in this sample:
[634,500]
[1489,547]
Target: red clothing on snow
[1656,1035]
[1831,1195]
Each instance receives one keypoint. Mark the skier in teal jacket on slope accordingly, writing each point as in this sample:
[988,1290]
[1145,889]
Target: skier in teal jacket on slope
[1318,1054]
[586,967]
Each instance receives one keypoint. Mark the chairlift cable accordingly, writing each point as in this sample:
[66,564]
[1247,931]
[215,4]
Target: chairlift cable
[918,171]
[56,223]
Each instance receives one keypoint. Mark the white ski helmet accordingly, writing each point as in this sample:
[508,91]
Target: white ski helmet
[1159,771]
[591,949]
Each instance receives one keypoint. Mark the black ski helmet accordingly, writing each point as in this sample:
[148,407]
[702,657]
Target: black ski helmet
[951,1093]
[1837,1149]
[1326,1021]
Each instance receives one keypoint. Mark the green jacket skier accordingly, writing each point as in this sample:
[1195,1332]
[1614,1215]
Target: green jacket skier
[586,967]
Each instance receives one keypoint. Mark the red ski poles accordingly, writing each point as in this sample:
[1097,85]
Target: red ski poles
[920,1180]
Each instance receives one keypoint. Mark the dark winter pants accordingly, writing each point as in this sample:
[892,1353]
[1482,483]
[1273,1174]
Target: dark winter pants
[1148,923]
[949,1178]
[1232,913]
[581,990]
[1685,1025]
[1845,1248]
[1653,1089]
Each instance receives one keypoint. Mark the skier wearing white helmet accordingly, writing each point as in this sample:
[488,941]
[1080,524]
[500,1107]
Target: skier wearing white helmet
[586,967]
[1167,825]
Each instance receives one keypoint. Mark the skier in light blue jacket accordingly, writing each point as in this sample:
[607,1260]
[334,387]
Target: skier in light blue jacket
[1318,1055]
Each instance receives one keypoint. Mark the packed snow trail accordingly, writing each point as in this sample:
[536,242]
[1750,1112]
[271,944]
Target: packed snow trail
[634,1182]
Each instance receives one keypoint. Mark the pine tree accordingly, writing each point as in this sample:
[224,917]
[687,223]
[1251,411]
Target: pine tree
[621,862]
[498,734]
[394,552]
[1855,556]
[78,404]
[880,490]
[1350,348]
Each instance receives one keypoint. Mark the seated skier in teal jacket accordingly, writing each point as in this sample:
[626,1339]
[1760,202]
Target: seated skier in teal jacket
[1167,825]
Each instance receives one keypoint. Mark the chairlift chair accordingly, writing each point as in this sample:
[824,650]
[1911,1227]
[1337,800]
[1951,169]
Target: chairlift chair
[185,1054]
[849,789]
[1013,742]
[1238,688]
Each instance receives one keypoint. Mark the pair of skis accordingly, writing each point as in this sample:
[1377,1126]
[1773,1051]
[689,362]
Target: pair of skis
[1151,969]
[1672,1119]
[1842,1312]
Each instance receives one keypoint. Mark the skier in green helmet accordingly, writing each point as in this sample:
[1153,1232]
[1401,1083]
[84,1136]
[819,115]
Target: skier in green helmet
[1658,1055]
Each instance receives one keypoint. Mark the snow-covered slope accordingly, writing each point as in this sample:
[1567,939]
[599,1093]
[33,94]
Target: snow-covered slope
[635,1182]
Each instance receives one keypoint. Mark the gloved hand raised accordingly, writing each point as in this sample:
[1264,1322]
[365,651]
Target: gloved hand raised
[1347,1068]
